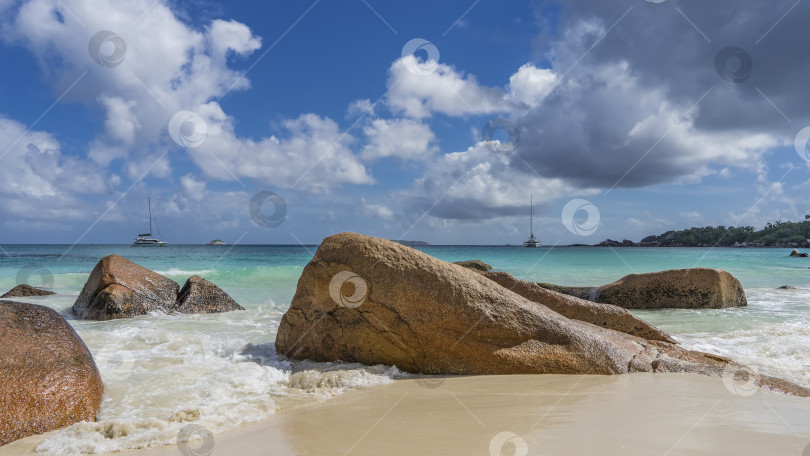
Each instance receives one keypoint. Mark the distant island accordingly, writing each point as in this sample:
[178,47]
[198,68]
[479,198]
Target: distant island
[215,242]
[409,243]
[778,234]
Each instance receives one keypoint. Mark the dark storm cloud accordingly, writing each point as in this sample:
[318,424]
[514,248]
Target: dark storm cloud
[654,75]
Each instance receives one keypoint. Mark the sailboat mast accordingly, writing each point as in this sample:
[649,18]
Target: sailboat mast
[149,203]
[531,215]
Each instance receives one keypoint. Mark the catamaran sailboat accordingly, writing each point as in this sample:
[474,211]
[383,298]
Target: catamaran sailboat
[531,242]
[146,239]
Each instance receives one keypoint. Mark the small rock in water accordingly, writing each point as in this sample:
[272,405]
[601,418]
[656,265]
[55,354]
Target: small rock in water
[796,253]
[786,287]
[24,290]
[201,296]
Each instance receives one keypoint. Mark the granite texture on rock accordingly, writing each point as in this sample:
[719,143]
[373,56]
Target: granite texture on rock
[119,288]
[695,288]
[48,378]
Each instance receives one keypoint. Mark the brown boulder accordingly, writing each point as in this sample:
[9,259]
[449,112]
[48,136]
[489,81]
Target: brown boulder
[695,288]
[23,290]
[604,315]
[372,301]
[201,296]
[48,379]
[119,288]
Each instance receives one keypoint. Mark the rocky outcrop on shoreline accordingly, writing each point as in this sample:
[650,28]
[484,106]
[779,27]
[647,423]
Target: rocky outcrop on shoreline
[25,290]
[695,288]
[796,253]
[372,301]
[48,378]
[604,315]
[119,288]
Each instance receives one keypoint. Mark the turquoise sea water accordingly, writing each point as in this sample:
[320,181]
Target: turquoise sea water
[163,371]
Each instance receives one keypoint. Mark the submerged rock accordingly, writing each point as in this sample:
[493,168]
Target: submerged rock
[201,296]
[695,288]
[474,264]
[119,288]
[23,290]
[796,253]
[48,378]
[372,301]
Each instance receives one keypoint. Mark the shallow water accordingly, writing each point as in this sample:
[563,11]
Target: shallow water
[163,371]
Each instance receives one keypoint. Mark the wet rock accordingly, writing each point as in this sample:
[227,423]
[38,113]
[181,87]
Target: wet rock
[119,288]
[23,290]
[201,296]
[48,379]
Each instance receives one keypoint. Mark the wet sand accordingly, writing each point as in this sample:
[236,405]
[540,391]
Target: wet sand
[637,414]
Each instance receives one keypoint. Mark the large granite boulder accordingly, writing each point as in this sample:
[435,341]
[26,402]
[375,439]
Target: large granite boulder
[201,296]
[119,288]
[25,290]
[372,301]
[604,315]
[696,288]
[48,379]
[796,253]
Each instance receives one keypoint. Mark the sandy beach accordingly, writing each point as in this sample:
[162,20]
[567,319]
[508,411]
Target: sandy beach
[637,414]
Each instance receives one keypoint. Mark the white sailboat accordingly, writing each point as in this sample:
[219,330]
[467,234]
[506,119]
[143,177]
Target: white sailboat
[146,239]
[531,242]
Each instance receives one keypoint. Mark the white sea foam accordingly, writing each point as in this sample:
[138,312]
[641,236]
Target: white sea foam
[184,272]
[159,378]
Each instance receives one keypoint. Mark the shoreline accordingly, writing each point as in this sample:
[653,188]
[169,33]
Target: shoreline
[631,414]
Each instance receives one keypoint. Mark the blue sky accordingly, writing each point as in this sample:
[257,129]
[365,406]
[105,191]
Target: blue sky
[641,110]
